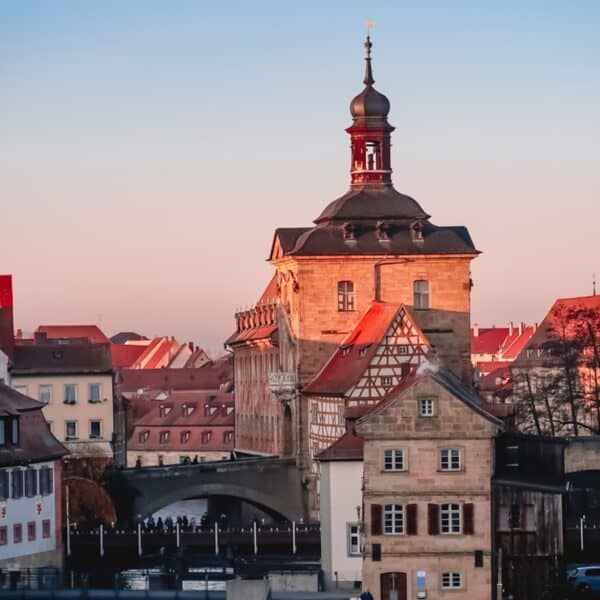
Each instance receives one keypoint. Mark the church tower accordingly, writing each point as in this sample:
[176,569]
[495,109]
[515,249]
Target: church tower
[371,245]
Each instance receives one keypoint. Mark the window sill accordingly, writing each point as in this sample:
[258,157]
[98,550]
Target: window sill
[450,470]
[394,471]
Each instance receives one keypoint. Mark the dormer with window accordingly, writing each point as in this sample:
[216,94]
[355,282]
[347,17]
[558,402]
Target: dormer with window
[9,431]
[164,410]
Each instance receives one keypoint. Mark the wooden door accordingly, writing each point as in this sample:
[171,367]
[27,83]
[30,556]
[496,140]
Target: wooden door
[393,586]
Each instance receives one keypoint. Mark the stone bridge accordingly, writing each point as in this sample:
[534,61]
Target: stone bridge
[272,484]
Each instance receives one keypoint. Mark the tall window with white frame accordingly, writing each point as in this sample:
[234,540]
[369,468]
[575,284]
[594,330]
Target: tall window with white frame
[426,407]
[70,430]
[45,393]
[345,296]
[70,393]
[393,519]
[450,459]
[353,530]
[95,429]
[450,518]
[94,392]
[421,294]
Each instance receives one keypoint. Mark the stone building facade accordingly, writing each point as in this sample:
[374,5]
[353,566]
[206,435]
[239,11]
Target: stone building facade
[428,466]
[373,244]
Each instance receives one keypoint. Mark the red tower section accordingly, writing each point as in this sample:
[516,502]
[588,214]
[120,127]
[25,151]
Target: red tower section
[370,133]
[7,331]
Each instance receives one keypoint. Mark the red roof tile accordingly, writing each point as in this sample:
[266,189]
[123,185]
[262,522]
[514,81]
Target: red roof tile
[58,332]
[489,340]
[194,443]
[348,447]
[124,355]
[254,333]
[349,361]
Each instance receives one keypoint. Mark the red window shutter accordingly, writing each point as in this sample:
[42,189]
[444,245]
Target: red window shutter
[411,519]
[375,519]
[468,519]
[433,518]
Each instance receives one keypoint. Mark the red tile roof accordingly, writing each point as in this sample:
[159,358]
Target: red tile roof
[348,363]
[254,333]
[57,332]
[551,322]
[487,367]
[489,340]
[210,376]
[195,443]
[124,355]
[271,292]
[348,447]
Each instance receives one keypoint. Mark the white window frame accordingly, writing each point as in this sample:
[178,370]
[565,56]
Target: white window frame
[450,519]
[66,386]
[354,539]
[393,456]
[426,407]
[452,580]
[450,459]
[47,387]
[422,294]
[394,522]
[71,437]
[99,386]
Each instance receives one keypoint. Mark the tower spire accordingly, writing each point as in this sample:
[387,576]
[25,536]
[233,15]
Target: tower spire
[368,80]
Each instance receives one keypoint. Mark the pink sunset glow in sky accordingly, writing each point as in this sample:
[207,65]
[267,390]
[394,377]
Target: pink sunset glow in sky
[146,159]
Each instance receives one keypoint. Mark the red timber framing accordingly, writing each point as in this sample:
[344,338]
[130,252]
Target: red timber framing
[385,346]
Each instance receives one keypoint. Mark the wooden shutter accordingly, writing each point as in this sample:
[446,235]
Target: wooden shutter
[411,519]
[433,519]
[375,519]
[468,515]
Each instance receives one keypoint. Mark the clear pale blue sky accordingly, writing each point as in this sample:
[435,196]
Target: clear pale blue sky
[149,149]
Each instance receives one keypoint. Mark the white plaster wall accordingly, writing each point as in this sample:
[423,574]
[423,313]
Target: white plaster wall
[341,494]
[4,368]
[23,510]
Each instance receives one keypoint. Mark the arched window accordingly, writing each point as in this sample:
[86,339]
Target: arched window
[345,296]
[421,293]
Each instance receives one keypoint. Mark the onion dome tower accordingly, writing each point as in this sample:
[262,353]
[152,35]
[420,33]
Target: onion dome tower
[370,132]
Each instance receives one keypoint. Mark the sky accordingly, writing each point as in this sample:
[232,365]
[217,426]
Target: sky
[148,150]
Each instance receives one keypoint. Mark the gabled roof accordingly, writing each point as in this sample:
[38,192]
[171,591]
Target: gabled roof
[447,380]
[57,332]
[124,355]
[488,340]
[544,332]
[355,352]
[348,447]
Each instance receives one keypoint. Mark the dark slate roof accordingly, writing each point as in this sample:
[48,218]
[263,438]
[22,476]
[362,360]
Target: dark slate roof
[36,443]
[55,358]
[127,336]
[287,237]
[381,202]
[329,240]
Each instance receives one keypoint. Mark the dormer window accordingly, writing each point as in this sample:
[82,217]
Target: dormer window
[164,410]
[416,232]
[372,156]
[349,232]
[381,230]
[345,296]
[9,431]
[345,350]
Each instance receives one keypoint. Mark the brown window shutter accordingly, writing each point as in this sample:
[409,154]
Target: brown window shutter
[433,518]
[468,519]
[411,519]
[375,519]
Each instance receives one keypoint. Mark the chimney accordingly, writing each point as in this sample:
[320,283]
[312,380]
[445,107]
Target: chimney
[475,330]
[7,325]
[511,328]
[521,324]
[40,337]
[191,346]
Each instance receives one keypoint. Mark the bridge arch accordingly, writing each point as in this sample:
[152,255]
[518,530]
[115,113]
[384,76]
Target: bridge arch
[272,484]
